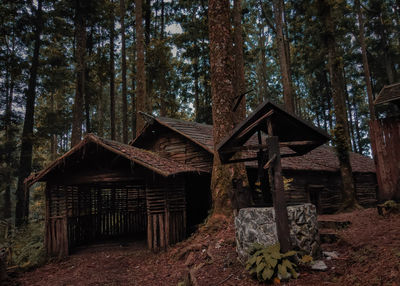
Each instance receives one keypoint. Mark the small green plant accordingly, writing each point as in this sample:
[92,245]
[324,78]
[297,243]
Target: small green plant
[267,263]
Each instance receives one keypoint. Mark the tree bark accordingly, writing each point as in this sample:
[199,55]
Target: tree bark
[239,82]
[112,73]
[140,69]
[123,70]
[288,97]
[77,109]
[341,132]
[25,165]
[222,63]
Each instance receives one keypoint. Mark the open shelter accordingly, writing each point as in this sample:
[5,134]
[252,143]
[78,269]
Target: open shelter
[102,189]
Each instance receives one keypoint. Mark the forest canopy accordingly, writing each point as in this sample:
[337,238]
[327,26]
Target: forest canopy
[74,67]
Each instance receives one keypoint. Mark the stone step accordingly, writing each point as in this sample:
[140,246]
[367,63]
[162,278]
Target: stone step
[333,224]
[328,236]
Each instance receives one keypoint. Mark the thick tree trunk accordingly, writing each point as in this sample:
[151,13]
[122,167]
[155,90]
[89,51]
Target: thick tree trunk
[123,70]
[222,63]
[140,69]
[77,109]
[341,132]
[112,74]
[283,57]
[239,82]
[25,165]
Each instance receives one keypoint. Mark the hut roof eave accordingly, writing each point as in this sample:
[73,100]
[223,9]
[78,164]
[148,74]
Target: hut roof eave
[389,93]
[147,159]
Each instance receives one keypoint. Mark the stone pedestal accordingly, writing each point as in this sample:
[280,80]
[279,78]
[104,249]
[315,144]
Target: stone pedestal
[257,225]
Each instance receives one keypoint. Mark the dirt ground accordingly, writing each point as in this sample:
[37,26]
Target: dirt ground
[369,254]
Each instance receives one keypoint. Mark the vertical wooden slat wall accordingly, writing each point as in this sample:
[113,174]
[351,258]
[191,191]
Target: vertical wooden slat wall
[166,214]
[78,215]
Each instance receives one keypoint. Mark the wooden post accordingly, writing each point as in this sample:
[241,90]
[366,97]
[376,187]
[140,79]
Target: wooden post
[278,195]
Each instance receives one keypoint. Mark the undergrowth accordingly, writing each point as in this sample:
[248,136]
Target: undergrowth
[269,264]
[25,246]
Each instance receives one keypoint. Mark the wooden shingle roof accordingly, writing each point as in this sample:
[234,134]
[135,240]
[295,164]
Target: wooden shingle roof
[147,159]
[322,158]
[389,93]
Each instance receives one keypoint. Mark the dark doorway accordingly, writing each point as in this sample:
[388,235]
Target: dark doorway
[198,200]
[314,193]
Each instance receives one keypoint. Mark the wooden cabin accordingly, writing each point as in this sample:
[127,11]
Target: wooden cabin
[314,176]
[102,190]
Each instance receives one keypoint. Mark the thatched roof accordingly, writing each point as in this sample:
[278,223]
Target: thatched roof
[389,93]
[147,159]
[322,158]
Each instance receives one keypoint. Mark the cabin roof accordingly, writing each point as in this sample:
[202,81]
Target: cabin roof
[147,159]
[322,158]
[287,126]
[198,133]
[389,93]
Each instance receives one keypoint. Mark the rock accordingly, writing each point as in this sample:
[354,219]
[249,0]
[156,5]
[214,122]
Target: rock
[257,225]
[331,254]
[319,265]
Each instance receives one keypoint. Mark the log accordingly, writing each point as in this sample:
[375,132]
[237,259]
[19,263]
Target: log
[278,195]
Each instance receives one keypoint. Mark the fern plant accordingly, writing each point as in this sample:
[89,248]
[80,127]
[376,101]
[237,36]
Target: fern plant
[267,263]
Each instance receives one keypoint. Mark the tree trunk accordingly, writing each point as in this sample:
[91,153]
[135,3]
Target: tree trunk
[112,74]
[25,165]
[164,102]
[283,57]
[123,70]
[147,36]
[239,82]
[77,109]
[140,69]
[390,71]
[222,63]
[365,60]
[341,132]
[87,93]
[196,88]
[263,68]
[9,142]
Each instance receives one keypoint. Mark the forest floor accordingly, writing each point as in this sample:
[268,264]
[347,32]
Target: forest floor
[369,254]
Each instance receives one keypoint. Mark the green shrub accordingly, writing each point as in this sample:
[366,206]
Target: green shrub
[267,263]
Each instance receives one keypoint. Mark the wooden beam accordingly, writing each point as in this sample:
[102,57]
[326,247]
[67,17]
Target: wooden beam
[255,123]
[243,148]
[270,161]
[241,160]
[265,146]
[278,195]
[298,143]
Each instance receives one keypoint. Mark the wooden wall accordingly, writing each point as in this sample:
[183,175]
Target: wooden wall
[166,213]
[385,141]
[78,215]
[83,214]
[175,146]
[324,189]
